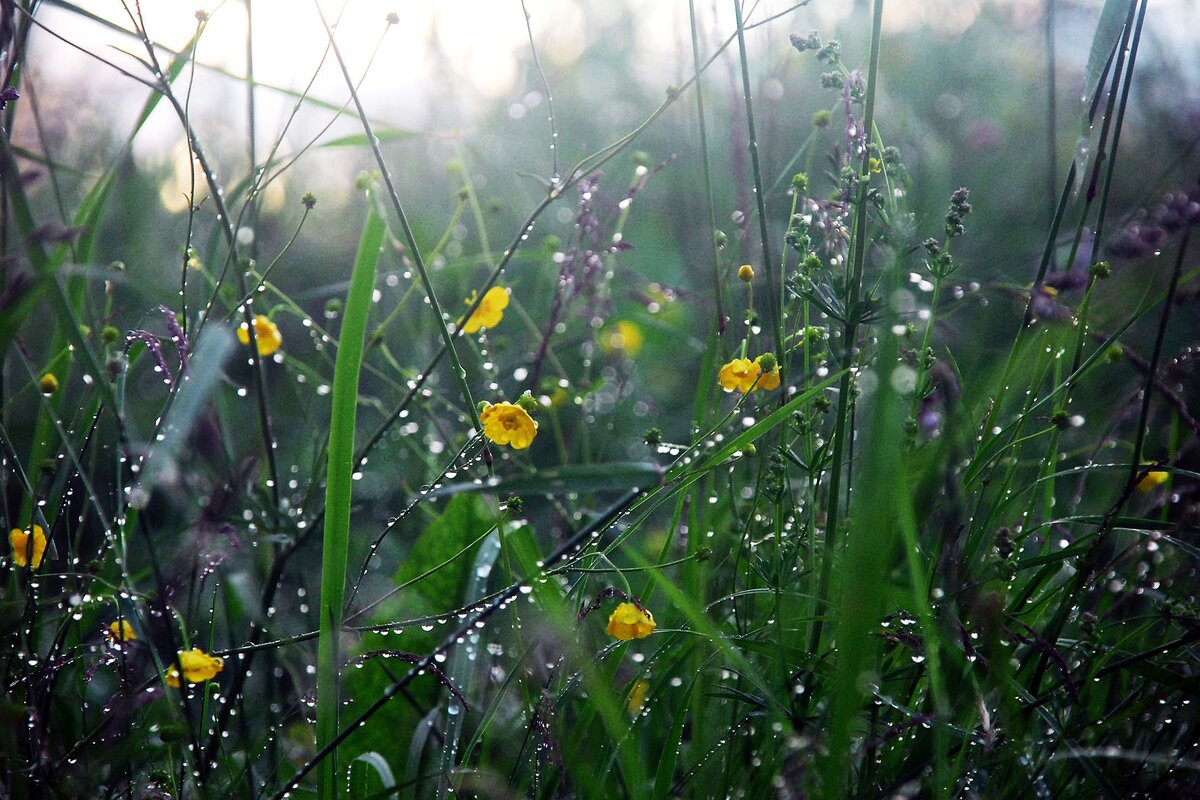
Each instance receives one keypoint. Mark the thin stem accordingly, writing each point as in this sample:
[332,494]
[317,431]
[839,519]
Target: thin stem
[718,284]
[773,281]
[460,374]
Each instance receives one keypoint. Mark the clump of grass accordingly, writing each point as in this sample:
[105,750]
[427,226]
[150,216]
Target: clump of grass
[836,515]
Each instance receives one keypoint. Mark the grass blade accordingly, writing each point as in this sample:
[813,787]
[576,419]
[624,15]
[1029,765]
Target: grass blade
[339,484]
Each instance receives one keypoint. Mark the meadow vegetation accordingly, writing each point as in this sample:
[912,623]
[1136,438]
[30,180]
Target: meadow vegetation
[817,421]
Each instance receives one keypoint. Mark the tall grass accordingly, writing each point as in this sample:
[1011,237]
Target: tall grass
[821,506]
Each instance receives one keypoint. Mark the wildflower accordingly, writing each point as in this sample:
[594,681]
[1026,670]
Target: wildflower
[22,553]
[490,311]
[745,273]
[630,622]
[508,423]
[1151,480]
[959,208]
[625,336]
[265,331]
[197,666]
[48,384]
[120,631]
[738,375]
[769,368]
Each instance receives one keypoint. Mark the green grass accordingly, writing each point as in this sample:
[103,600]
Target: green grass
[952,555]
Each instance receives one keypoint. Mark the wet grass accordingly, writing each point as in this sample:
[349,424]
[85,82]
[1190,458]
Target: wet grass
[878,522]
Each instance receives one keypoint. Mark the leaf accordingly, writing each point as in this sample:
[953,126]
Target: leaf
[338,487]
[382,770]
[361,140]
[465,519]
[1100,57]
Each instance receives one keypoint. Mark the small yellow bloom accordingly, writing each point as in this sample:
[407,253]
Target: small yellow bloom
[738,375]
[265,331]
[769,380]
[197,666]
[630,622]
[637,697]
[625,336]
[490,311]
[746,273]
[508,423]
[121,631]
[48,384]
[1152,479]
[19,540]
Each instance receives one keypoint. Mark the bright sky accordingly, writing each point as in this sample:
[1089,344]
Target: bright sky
[477,47]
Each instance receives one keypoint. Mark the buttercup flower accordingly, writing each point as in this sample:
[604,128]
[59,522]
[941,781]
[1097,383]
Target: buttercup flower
[508,423]
[1152,479]
[770,372]
[630,622]
[490,311]
[265,331]
[121,631]
[197,666]
[21,550]
[48,384]
[738,375]
[746,273]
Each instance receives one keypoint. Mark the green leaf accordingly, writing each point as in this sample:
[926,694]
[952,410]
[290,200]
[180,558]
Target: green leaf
[465,519]
[361,140]
[382,771]
[338,487]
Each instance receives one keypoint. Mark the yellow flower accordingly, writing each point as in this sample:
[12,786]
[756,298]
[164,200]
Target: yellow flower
[738,375]
[1152,480]
[625,336]
[197,666]
[490,311]
[770,379]
[637,697]
[746,273]
[19,540]
[48,384]
[508,423]
[630,622]
[121,631]
[265,331]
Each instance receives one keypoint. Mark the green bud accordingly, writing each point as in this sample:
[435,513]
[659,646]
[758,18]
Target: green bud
[527,402]
[768,362]
[110,335]
[800,182]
